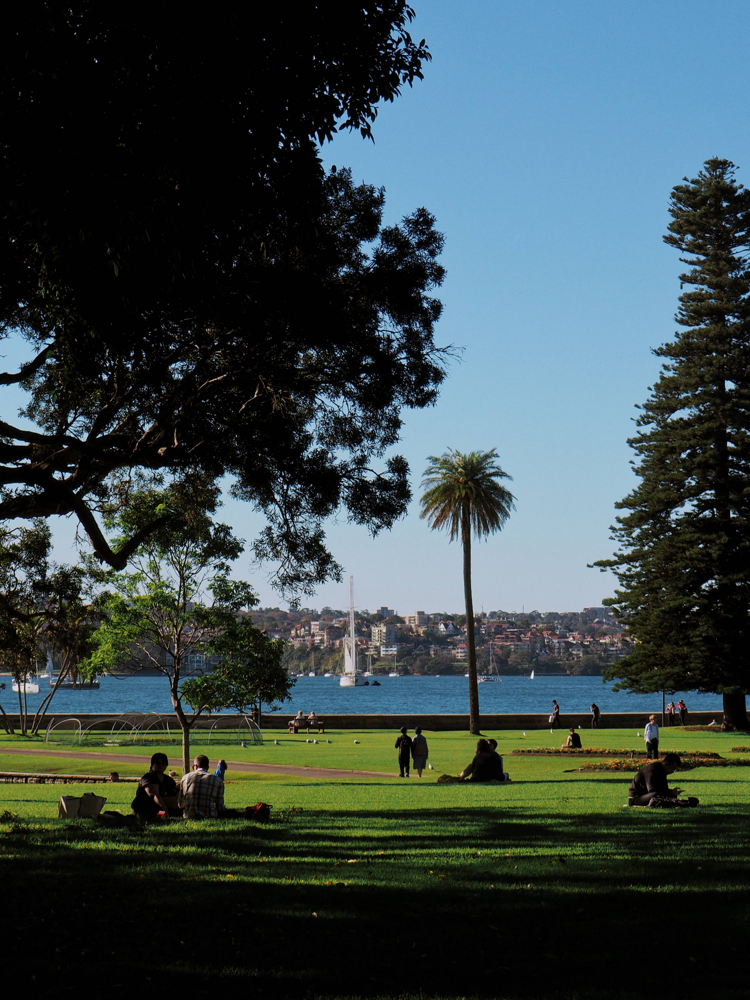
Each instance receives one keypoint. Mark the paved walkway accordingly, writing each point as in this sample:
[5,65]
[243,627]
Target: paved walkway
[300,772]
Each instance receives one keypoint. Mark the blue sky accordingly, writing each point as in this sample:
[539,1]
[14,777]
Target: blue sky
[545,138]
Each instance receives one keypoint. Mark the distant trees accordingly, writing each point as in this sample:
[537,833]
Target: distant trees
[463,495]
[684,534]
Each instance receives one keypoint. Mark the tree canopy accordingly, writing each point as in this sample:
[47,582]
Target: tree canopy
[198,296]
[684,536]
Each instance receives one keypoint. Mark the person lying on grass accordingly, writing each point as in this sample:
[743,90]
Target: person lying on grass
[486,766]
[649,787]
[157,792]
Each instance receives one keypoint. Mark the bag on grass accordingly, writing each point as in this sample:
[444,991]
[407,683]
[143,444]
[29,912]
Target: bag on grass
[449,779]
[261,812]
[68,806]
[91,805]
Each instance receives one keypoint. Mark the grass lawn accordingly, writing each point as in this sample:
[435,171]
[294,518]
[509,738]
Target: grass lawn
[383,888]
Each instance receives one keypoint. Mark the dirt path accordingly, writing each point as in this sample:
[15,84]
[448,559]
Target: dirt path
[301,772]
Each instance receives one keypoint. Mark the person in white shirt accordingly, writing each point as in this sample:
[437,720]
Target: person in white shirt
[651,736]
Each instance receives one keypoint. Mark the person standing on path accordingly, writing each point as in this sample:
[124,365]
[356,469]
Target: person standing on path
[595,715]
[682,708]
[419,751]
[670,713]
[403,745]
[555,717]
[651,736]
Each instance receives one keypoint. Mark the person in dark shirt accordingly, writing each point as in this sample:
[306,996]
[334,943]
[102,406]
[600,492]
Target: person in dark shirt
[485,766]
[595,715]
[651,782]
[573,741]
[403,745]
[157,792]
[498,760]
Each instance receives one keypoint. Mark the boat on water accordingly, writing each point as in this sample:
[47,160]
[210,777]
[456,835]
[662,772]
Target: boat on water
[75,684]
[351,677]
[28,685]
[531,676]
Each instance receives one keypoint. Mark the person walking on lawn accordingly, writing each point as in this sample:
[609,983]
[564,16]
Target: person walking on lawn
[555,715]
[403,745]
[419,751]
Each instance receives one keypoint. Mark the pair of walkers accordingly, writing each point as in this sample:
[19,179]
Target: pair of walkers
[409,749]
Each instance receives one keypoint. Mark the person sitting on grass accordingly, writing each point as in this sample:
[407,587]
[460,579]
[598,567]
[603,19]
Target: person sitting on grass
[573,741]
[504,776]
[157,792]
[649,787]
[201,793]
[486,766]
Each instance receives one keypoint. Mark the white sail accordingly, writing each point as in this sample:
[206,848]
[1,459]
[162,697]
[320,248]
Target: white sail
[351,676]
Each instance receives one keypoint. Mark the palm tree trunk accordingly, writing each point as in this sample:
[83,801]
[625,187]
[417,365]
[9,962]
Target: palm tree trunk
[471,652]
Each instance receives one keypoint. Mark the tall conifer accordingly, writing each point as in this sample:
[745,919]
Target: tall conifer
[684,560]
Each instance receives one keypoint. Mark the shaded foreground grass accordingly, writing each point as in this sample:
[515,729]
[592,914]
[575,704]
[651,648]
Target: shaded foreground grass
[546,888]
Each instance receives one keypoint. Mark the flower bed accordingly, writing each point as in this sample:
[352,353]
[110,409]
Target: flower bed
[740,749]
[688,764]
[599,752]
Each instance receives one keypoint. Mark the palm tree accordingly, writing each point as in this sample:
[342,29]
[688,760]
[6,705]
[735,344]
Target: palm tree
[462,495]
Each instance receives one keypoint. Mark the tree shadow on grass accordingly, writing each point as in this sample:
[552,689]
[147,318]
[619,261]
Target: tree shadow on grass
[472,903]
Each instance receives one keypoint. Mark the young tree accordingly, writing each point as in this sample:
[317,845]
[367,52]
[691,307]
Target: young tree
[463,495]
[41,607]
[177,609]
[234,310]
[684,538]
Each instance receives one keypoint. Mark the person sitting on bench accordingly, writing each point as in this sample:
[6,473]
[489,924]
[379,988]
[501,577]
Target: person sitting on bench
[313,720]
[296,722]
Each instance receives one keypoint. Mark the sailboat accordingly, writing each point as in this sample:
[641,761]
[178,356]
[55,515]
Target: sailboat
[531,676]
[351,676]
[28,685]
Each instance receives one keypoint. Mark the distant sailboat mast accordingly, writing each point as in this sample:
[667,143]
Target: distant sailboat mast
[351,676]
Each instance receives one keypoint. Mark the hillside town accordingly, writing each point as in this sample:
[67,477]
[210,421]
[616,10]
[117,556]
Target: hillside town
[579,642]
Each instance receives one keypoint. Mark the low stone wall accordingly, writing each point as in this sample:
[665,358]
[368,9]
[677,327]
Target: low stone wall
[430,723]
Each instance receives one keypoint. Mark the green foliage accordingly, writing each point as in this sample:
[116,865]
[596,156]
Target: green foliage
[235,311]
[178,609]
[42,607]
[684,535]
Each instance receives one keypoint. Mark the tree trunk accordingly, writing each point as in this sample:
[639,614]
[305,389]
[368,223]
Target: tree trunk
[6,722]
[471,652]
[735,713]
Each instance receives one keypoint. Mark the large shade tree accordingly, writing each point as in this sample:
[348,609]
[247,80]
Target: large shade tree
[464,495]
[684,559]
[196,293]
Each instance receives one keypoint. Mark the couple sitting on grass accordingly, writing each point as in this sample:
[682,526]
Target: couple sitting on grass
[199,794]
[486,767]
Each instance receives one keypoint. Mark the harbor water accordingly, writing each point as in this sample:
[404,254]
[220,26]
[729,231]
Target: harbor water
[428,695]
